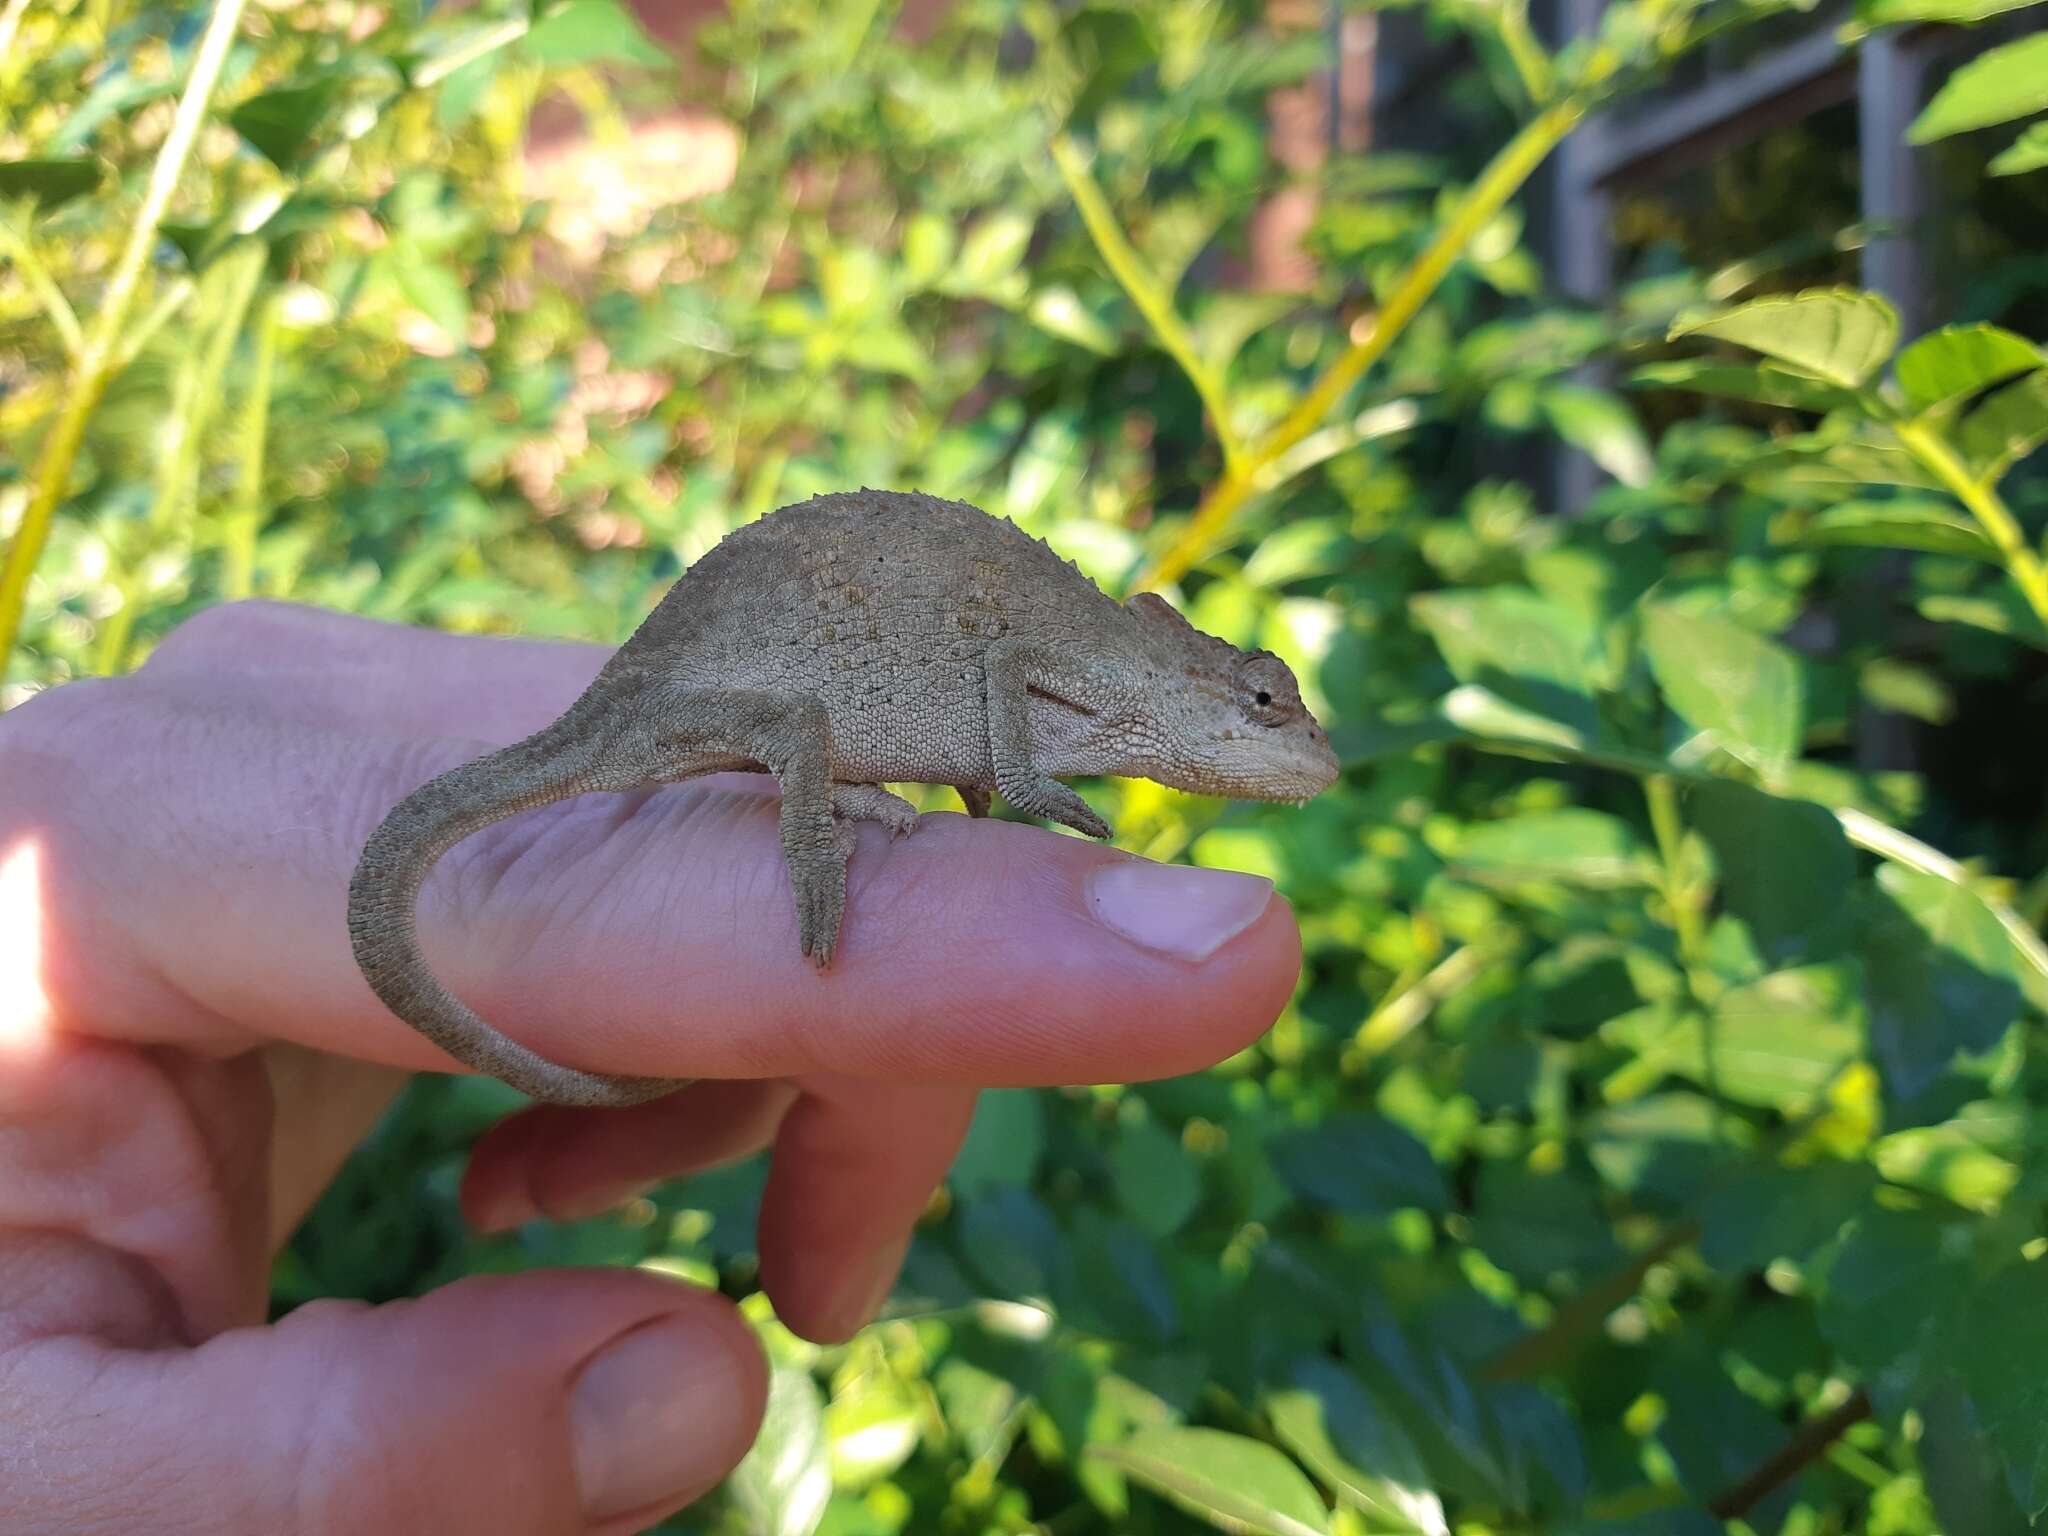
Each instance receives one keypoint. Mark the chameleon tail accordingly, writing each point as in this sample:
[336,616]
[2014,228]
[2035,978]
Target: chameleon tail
[553,765]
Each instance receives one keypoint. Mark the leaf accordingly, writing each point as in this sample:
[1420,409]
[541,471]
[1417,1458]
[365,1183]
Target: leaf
[990,254]
[1763,1212]
[1157,1183]
[1327,1418]
[1765,383]
[1572,844]
[1535,1225]
[1886,13]
[1957,918]
[1060,312]
[1958,361]
[1940,978]
[1535,654]
[1729,682]
[1932,527]
[1014,1245]
[2002,1359]
[282,124]
[593,32]
[1887,1292]
[1360,1163]
[1779,1042]
[1840,335]
[786,1479]
[1595,422]
[49,183]
[432,288]
[1965,1479]
[2005,427]
[1003,1144]
[1994,87]
[2028,152]
[1782,866]
[1233,1482]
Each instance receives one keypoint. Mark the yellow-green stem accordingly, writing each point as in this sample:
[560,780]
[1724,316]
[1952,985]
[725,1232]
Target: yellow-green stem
[1500,181]
[1991,512]
[95,364]
[246,520]
[1146,291]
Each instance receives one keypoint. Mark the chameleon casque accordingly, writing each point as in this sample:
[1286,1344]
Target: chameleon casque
[851,641]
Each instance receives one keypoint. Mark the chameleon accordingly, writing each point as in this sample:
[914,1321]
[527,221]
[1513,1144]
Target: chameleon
[841,644]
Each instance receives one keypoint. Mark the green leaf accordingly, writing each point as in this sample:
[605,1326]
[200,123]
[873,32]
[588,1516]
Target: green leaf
[49,183]
[1739,688]
[1058,311]
[1765,383]
[1965,1478]
[1994,87]
[1004,1142]
[1157,1183]
[1888,13]
[990,255]
[2028,152]
[1887,1294]
[1572,844]
[282,124]
[786,1479]
[1782,866]
[1360,1163]
[1932,527]
[2002,1358]
[1839,335]
[432,288]
[1538,1225]
[1595,422]
[1233,1482]
[1327,1418]
[593,32]
[1958,361]
[1779,1042]
[1763,1212]
[2005,427]
[1533,653]
[1941,978]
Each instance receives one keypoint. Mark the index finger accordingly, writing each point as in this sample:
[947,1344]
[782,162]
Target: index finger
[191,865]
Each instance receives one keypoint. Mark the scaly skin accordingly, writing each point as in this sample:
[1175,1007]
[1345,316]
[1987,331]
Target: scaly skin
[856,640]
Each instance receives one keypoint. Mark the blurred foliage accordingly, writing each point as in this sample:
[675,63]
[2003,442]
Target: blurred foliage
[1653,1139]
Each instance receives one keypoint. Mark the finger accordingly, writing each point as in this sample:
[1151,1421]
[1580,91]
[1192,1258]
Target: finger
[193,882]
[339,672]
[595,1401]
[855,1165]
[566,1164]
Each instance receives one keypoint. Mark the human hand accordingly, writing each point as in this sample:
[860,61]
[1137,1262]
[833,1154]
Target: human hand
[187,1054]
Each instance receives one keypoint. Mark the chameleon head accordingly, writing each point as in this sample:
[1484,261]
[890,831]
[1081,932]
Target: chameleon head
[1225,721]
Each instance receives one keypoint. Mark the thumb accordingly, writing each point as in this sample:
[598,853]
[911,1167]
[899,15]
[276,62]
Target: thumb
[553,1402]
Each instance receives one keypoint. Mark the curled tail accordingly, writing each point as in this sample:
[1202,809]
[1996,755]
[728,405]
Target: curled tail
[553,765]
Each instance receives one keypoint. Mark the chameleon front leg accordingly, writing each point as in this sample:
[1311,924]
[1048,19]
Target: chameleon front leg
[789,736]
[871,802]
[974,798]
[1013,669]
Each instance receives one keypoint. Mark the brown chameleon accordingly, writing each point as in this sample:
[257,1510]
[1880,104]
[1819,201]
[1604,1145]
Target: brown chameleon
[852,641]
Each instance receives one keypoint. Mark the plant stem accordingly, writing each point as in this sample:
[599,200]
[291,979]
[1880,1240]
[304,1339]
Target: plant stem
[246,519]
[95,364]
[1145,290]
[2021,563]
[1809,1442]
[19,246]
[1496,185]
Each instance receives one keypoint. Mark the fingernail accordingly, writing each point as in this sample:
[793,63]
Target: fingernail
[642,1415]
[1176,909]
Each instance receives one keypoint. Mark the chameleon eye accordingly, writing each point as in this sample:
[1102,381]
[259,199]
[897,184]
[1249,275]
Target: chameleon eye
[1263,697]
[1265,689]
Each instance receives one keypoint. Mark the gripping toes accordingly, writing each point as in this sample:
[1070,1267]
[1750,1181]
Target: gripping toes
[1052,800]
[871,802]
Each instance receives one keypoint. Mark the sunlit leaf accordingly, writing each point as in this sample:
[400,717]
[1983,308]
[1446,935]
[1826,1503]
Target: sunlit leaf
[2028,152]
[1740,688]
[1597,423]
[592,32]
[1887,13]
[1995,87]
[1957,361]
[1235,1483]
[2005,426]
[1574,844]
[786,1478]
[1840,335]
[1933,527]
[1764,383]
[1326,1417]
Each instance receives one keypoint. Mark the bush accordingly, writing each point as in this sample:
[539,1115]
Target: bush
[1652,1141]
